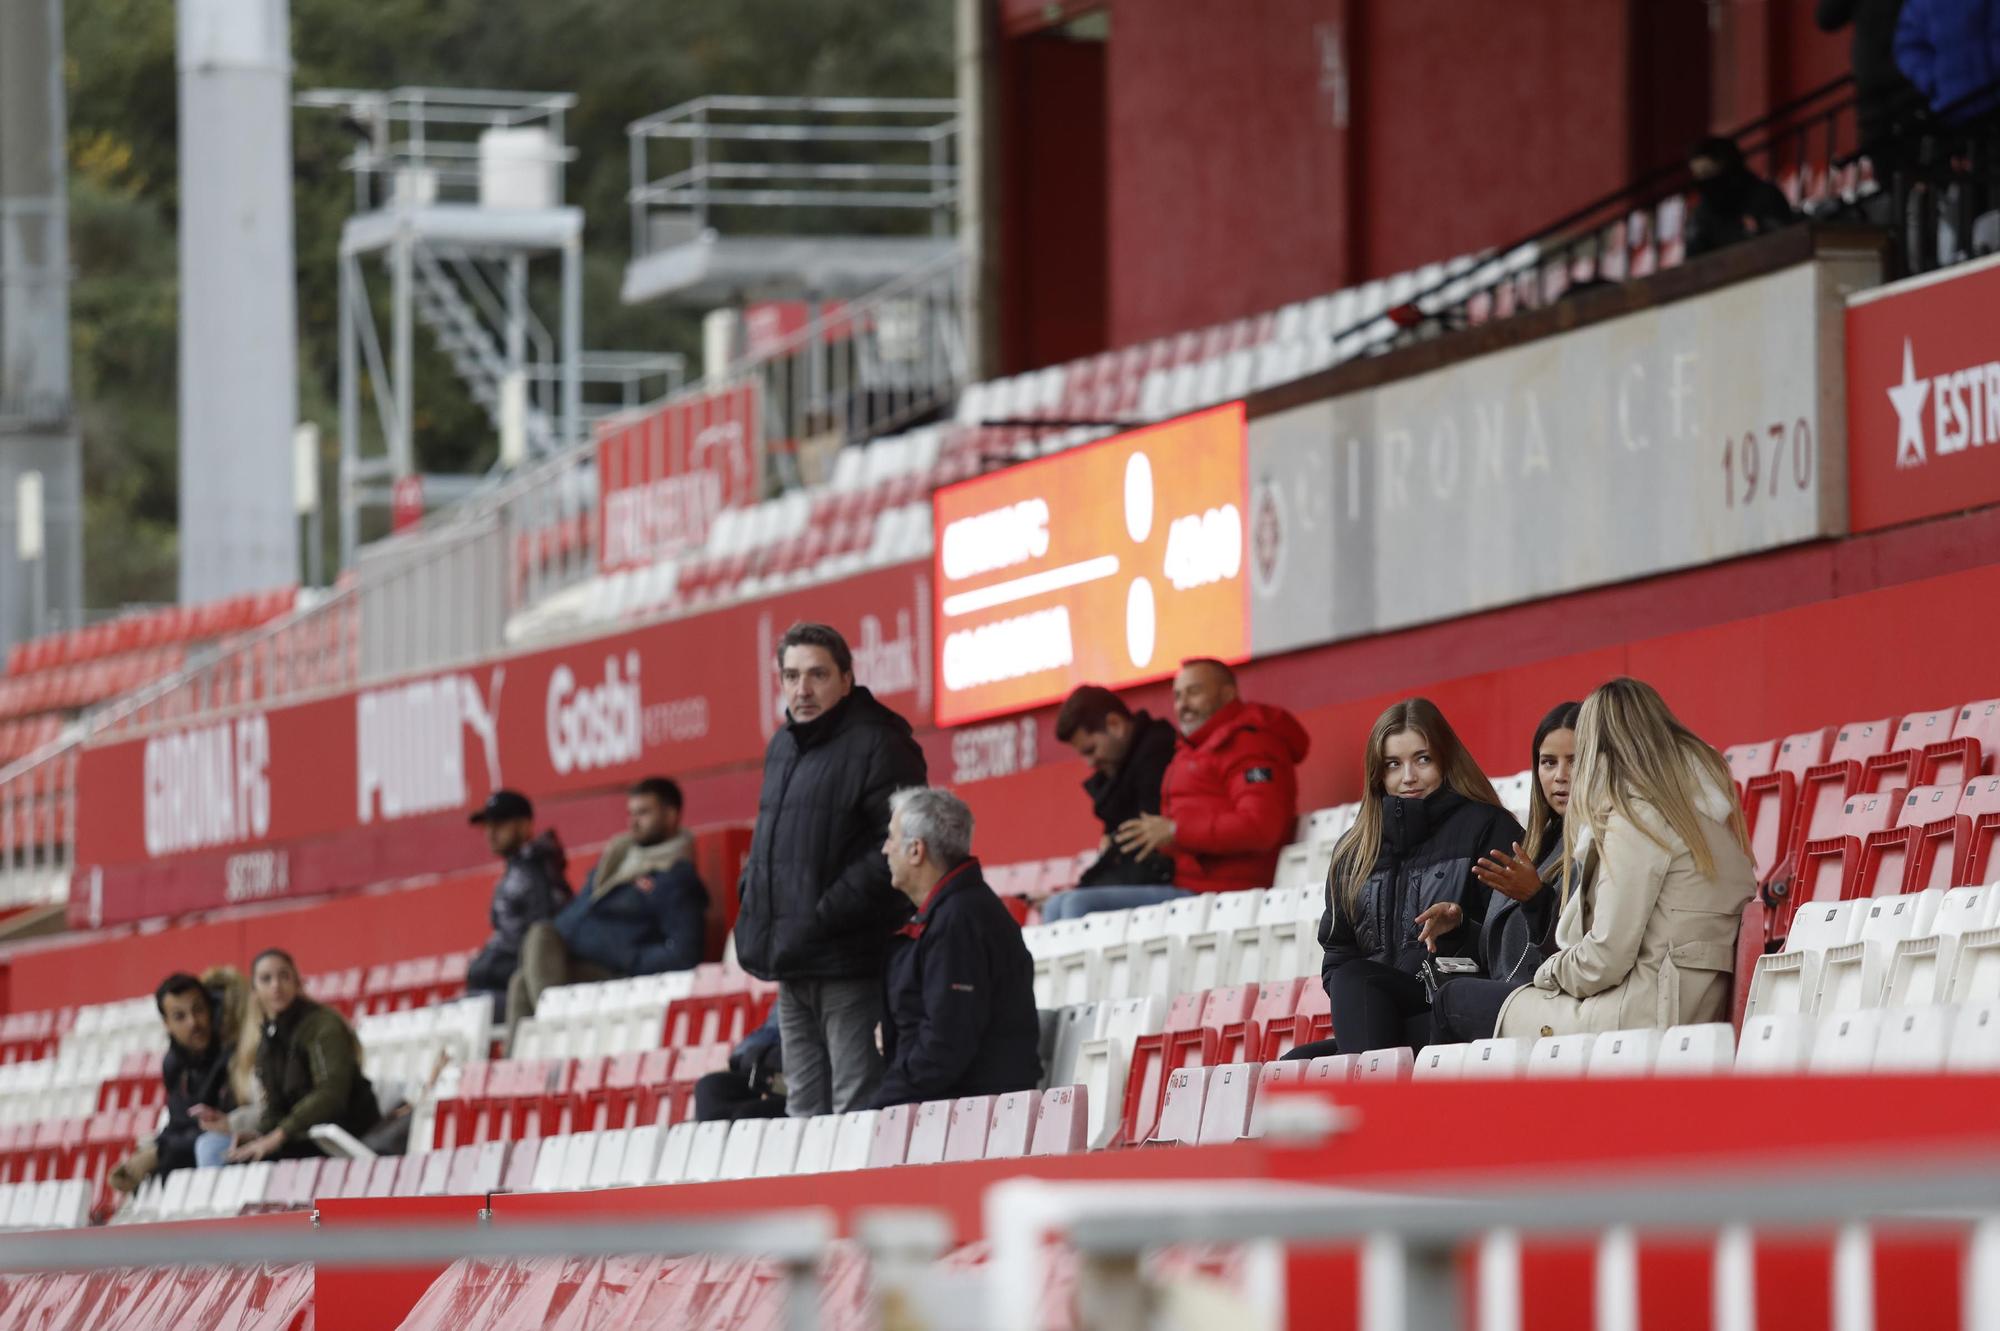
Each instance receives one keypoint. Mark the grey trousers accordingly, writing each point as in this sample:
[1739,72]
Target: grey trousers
[827,1029]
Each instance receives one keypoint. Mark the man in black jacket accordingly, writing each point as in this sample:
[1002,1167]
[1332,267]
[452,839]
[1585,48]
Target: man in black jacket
[531,890]
[960,1007]
[817,908]
[196,1073]
[642,911]
[1129,754]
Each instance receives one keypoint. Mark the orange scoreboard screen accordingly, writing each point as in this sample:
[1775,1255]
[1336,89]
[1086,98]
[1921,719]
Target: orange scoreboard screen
[1108,564]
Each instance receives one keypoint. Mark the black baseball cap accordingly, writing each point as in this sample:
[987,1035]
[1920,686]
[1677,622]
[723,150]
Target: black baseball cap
[503,806]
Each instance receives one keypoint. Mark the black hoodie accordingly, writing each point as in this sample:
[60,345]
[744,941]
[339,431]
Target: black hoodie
[816,900]
[1118,797]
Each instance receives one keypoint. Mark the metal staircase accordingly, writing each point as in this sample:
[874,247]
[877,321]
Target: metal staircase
[476,347]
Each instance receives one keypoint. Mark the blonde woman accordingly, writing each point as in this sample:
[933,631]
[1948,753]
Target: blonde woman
[1657,872]
[1401,888]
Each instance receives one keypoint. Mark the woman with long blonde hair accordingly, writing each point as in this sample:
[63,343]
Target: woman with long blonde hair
[1657,870]
[1401,887]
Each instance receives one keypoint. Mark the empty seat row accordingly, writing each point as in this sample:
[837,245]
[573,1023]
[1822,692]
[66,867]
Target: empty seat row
[1192,943]
[1912,950]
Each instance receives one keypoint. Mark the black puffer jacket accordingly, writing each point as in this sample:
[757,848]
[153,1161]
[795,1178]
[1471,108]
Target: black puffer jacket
[816,900]
[1429,846]
[1121,796]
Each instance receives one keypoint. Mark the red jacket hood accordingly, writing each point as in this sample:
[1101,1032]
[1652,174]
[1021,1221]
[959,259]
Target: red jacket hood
[1239,716]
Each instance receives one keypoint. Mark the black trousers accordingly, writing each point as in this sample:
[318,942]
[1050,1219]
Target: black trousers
[1468,1009]
[725,1095]
[1374,1007]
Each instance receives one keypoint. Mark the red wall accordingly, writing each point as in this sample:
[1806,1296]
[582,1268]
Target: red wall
[1053,167]
[1484,122]
[1229,177]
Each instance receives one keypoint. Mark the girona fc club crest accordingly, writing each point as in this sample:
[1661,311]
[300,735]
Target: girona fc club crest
[1267,535]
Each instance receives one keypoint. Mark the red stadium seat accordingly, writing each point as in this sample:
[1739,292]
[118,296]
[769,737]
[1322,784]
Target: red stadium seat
[1829,866]
[1770,801]
[1920,851]
[1146,1078]
[1981,804]
[1244,1040]
[1748,761]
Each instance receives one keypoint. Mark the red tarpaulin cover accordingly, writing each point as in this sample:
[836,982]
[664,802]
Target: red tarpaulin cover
[272,1298]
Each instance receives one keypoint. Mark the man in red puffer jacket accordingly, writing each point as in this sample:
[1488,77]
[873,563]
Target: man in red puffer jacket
[1231,794]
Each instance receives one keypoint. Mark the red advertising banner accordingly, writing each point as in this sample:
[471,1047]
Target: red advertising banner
[266,803]
[663,476]
[1923,397]
[1107,564]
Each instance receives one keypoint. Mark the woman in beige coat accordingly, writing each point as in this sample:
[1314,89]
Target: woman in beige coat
[1656,876]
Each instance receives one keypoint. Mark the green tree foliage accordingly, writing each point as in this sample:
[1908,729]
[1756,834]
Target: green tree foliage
[622,58]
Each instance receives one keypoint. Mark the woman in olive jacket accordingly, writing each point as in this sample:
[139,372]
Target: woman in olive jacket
[309,1065]
[1401,887]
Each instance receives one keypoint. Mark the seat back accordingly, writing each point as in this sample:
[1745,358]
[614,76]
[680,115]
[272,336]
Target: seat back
[1440,1062]
[1708,1049]
[1624,1053]
[855,1145]
[817,1144]
[1499,1057]
[1914,1039]
[1061,1122]
[1012,1129]
[891,1141]
[1774,1043]
[928,1133]
[1226,1110]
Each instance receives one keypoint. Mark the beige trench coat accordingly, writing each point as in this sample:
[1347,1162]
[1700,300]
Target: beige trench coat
[1647,941]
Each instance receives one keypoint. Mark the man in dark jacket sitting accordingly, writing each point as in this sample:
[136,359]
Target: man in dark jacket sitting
[1128,754]
[961,986]
[817,906]
[196,1073]
[643,910]
[531,889]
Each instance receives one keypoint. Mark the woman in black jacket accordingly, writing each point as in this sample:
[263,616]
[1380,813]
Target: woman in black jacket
[1521,917]
[1401,887]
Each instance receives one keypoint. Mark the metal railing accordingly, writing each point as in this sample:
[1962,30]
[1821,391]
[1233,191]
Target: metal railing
[426,140]
[1411,1275]
[734,158]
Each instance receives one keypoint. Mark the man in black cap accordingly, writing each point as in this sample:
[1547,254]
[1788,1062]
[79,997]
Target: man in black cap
[531,889]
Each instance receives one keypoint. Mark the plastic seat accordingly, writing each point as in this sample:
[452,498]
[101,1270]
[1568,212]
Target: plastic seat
[1440,1062]
[1704,1050]
[740,1151]
[1914,1039]
[1853,975]
[1778,1042]
[1397,1064]
[856,1141]
[966,1128]
[1229,1103]
[641,1158]
[1075,1026]
[1845,1043]
[1181,1108]
[817,1144]
[1788,981]
[1560,1055]
[1828,864]
[1062,1122]
[1498,1057]
[1152,1059]
[522,1157]
[929,1133]
[704,1160]
[1623,1054]
[1920,851]
[890,1143]
[1012,1129]
[1975,1039]
[1770,801]
[1920,967]
[778,1147]
[1980,723]
[1244,1039]
[1975,972]
[1330,1069]
[676,1150]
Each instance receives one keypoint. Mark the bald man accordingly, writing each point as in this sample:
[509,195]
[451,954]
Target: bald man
[1228,803]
